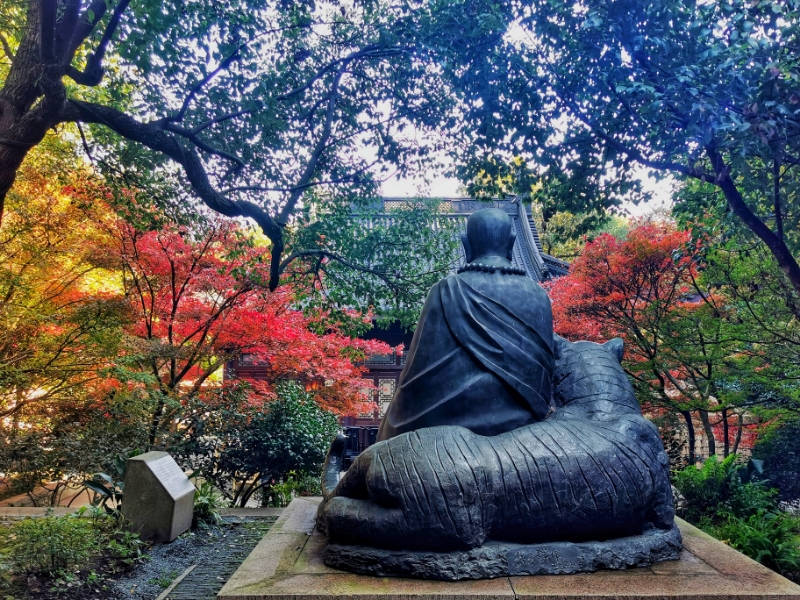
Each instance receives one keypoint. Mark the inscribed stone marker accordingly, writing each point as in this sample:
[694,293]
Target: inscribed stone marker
[159,498]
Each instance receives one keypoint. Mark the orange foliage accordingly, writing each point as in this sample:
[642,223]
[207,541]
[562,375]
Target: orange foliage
[56,312]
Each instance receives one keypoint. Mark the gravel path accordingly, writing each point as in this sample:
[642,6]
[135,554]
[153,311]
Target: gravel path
[167,561]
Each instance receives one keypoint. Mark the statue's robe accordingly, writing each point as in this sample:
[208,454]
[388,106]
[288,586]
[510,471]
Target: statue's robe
[482,357]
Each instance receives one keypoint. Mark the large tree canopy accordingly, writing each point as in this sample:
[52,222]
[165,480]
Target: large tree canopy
[256,101]
[703,90]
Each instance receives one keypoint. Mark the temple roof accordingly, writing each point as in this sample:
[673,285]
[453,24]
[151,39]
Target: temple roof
[528,254]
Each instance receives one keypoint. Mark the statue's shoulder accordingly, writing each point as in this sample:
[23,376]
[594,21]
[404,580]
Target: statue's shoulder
[531,284]
[434,294]
[452,280]
[479,279]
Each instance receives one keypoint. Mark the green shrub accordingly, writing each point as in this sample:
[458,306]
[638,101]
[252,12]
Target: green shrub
[68,556]
[278,495]
[242,449]
[715,492]
[768,537]
[51,543]
[307,484]
[780,451]
[69,444]
[206,506]
[108,488]
[743,515]
[125,547]
[296,484]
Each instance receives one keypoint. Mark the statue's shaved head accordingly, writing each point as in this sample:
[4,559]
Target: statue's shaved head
[489,232]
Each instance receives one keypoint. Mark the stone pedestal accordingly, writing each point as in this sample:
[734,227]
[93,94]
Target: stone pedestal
[158,500]
[287,563]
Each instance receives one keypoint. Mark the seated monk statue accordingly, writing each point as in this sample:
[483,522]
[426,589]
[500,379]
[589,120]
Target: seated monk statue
[506,450]
[482,353]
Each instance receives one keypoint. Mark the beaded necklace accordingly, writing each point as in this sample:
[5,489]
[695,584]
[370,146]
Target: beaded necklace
[492,269]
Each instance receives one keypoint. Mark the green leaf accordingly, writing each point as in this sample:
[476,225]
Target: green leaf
[98,487]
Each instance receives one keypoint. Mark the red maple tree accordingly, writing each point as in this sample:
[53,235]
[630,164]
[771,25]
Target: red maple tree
[625,287]
[679,345]
[198,301]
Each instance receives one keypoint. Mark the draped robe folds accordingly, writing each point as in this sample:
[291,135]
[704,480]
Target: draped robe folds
[482,357]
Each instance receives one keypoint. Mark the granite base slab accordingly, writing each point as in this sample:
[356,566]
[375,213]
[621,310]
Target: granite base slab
[288,564]
[498,559]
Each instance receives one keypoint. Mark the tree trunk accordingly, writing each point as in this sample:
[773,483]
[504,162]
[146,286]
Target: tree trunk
[253,489]
[687,416]
[712,446]
[237,485]
[725,432]
[738,439]
[154,423]
[31,100]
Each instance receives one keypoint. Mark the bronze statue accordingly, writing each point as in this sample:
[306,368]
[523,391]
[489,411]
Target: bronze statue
[482,353]
[506,450]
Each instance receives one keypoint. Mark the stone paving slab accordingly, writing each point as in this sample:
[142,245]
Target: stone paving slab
[208,576]
[287,565]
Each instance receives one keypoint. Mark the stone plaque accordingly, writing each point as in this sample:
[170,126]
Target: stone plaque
[159,498]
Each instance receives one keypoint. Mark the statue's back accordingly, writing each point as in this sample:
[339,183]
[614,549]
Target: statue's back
[481,357]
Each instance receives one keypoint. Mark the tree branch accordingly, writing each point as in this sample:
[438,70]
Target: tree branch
[85,143]
[6,48]
[201,144]
[374,50]
[633,153]
[386,278]
[220,119]
[777,246]
[92,75]
[253,188]
[85,25]
[316,77]
[47,30]
[316,154]
[65,30]
[308,173]
[16,144]
[154,137]
[200,84]
[258,188]
[776,196]
[224,65]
